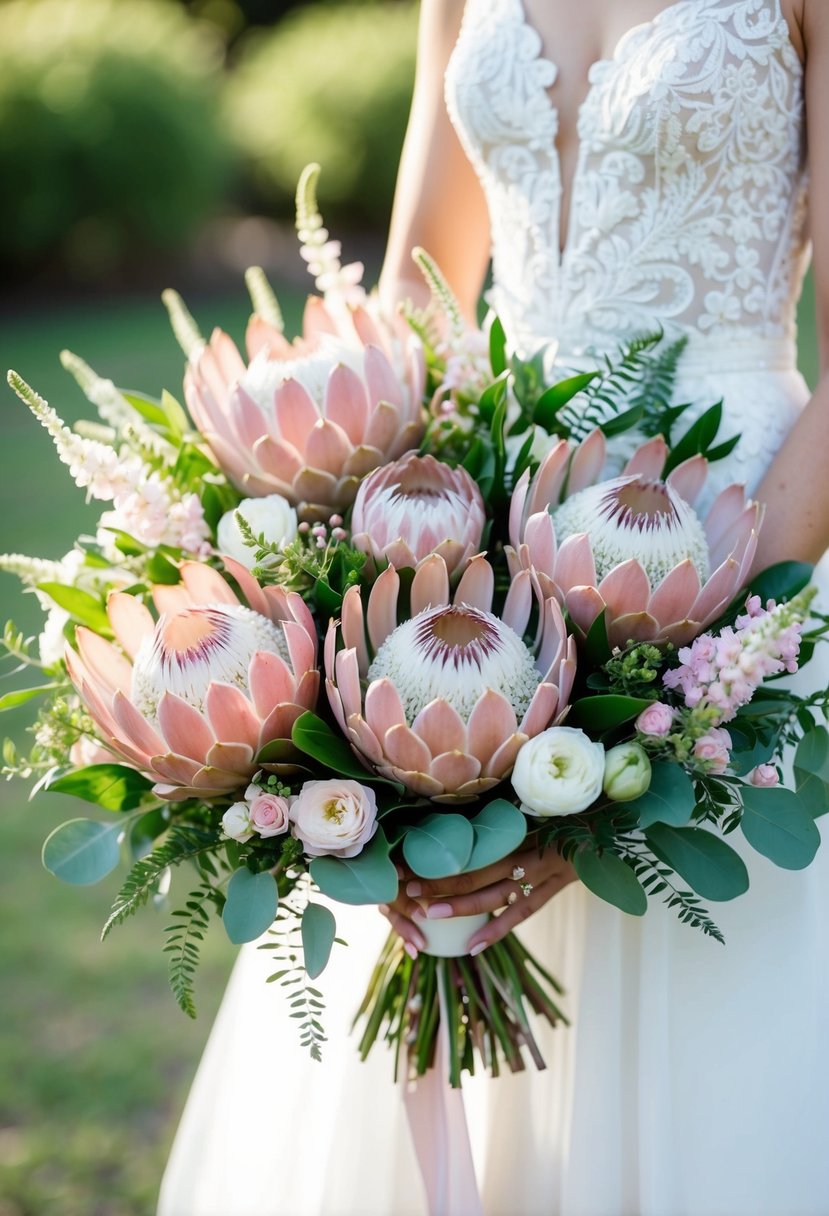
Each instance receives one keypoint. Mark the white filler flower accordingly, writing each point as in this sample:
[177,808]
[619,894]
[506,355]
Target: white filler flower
[559,772]
[272,517]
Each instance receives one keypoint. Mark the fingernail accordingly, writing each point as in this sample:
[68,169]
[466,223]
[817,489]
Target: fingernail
[400,871]
[384,908]
[410,949]
[418,913]
[477,949]
[439,911]
[413,889]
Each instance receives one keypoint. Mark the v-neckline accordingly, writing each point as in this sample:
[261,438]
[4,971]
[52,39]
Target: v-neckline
[566,215]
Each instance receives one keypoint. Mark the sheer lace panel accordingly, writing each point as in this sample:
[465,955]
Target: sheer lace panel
[688,199]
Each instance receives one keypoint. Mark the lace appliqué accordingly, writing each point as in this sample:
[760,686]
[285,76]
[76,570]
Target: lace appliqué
[688,199]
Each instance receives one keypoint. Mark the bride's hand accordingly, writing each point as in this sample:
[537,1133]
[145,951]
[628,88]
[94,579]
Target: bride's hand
[486,890]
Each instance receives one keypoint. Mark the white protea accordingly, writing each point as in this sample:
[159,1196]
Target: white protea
[190,650]
[635,517]
[443,700]
[456,653]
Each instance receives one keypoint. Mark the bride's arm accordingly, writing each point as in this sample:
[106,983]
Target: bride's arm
[796,486]
[438,203]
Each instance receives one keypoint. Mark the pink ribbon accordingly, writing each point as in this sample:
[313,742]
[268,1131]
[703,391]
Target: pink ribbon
[439,1131]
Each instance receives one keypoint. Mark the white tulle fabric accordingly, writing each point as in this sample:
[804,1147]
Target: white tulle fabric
[694,1080]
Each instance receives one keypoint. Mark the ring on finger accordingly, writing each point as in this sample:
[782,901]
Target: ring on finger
[526,889]
[518,873]
[512,898]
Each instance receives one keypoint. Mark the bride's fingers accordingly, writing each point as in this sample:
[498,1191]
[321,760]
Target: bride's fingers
[465,884]
[413,939]
[497,895]
[501,925]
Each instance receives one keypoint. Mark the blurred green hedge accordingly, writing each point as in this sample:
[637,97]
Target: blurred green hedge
[109,138]
[332,84]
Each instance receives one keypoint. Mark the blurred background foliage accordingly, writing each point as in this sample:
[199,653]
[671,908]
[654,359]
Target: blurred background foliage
[144,144]
[126,124]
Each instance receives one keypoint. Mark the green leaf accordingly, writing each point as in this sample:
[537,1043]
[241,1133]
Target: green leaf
[498,830]
[493,396]
[697,439]
[776,824]
[81,606]
[148,407]
[607,876]
[319,928]
[623,421]
[252,900]
[597,644]
[711,867]
[780,582]
[316,739]
[83,851]
[811,770]
[552,399]
[440,845]
[174,415]
[497,347]
[115,787]
[145,830]
[161,570]
[278,751]
[12,699]
[668,799]
[368,878]
[605,711]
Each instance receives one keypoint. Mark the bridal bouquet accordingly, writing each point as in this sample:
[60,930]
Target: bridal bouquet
[530,616]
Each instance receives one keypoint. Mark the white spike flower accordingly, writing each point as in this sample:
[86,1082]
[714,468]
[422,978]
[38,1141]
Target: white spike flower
[635,517]
[456,653]
[190,650]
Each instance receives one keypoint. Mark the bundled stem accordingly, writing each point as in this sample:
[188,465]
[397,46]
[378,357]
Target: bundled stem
[490,1001]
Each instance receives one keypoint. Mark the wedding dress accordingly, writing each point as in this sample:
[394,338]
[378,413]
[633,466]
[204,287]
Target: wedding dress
[694,1080]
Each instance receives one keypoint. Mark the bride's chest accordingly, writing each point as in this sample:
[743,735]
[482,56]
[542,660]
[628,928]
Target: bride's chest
[700,76]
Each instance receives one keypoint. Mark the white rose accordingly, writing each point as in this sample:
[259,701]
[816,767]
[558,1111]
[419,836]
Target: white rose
[272,517]
[236,822]
[559,772]
[334,817]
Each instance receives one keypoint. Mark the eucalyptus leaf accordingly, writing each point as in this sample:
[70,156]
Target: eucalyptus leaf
[668,799]
[83,851]
[115,787]
[711,867]
[251,904]
[319,929]
[498,830]
[607,876]
[776,824]
[368,878]
[439,846]
[605,711]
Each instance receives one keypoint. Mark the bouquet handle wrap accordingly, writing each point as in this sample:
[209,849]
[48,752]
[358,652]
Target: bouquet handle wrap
[440,1134]
[448,938]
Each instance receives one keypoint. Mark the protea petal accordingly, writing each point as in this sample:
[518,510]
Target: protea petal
[441,727]
[184,728]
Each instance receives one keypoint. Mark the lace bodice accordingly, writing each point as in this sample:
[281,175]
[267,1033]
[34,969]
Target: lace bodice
[688,199]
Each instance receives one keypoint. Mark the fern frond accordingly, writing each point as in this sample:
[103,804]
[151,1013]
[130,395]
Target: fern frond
[617,388]
[181,844]
[657,880]
[185,935]
[307,1003]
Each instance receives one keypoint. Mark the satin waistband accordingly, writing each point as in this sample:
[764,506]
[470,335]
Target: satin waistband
[707,354]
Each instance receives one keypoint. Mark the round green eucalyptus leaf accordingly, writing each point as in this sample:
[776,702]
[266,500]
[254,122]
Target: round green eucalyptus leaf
[251,904]
[441,845]
[83,851]
[777,824]
[498,830]
[607,876]
[710,867]
[368,878]
[319,928]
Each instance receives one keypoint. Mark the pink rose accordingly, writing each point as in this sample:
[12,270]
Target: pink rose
[764,776]
[714,749]
[657,719]
[334,817]
[269,815]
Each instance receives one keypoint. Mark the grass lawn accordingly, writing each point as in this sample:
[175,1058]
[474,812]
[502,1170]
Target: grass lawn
[95,1058]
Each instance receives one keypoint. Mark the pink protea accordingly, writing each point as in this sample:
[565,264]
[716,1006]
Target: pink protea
[633,546]
[416,506]
[308,419]
[192,699]
[443,701]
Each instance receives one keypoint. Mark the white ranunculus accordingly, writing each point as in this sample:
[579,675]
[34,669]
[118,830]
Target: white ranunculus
[559,772]
[236,822]
[272,517]
[627,772]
